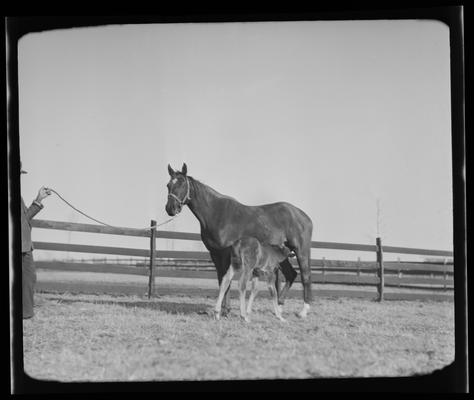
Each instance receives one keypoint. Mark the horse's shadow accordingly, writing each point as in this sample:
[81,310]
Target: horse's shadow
[166,306]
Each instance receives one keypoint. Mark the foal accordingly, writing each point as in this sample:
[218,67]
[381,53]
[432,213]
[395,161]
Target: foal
[253,259]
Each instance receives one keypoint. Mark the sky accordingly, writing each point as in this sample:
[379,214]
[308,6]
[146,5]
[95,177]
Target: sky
[331,116]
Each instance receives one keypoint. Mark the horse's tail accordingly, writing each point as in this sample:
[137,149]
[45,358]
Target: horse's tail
[288,271]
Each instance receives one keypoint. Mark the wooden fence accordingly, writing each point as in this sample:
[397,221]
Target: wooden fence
[379,273]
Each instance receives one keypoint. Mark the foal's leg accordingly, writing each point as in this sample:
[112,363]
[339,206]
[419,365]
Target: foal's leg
[278,288]
[271,286]
[253,294]
[244,278]
[225,283]
[277,282]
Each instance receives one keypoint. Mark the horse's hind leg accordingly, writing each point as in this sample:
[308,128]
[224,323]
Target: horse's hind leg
[303,257]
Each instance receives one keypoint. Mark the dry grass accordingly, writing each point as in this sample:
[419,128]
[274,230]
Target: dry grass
[104,338]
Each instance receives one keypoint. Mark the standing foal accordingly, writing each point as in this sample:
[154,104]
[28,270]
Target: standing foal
[253,259]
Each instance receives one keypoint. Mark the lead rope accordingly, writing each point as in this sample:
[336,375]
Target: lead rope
[101,222]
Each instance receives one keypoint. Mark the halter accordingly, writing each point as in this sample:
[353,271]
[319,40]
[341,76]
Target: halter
[185,199]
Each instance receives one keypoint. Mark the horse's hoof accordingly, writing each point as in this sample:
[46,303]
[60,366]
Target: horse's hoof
[246,318]
[217,315]
[304,312]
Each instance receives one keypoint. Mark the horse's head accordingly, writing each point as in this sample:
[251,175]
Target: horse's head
[178,190]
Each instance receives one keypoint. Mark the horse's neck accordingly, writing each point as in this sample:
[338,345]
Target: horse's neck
[204,202]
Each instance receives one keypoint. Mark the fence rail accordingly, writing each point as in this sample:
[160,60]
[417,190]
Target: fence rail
[317,277]
[379,273]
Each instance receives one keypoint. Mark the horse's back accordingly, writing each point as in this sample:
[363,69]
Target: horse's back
[288,217]
[282,207]
[273,223]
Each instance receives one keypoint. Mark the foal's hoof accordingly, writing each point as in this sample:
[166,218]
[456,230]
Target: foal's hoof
[217,315]
[246,319]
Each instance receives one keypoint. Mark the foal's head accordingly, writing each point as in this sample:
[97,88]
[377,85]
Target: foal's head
[178,190]
[281,252]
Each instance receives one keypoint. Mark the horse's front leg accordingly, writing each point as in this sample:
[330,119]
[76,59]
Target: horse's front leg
[225,284]
[221,260]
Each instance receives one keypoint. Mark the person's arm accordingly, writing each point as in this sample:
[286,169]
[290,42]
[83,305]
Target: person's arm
[37,204]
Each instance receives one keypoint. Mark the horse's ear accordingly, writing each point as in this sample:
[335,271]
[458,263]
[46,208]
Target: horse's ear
[184,170]
[170,170]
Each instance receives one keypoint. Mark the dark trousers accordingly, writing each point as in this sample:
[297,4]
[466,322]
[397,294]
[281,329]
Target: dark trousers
[29,281]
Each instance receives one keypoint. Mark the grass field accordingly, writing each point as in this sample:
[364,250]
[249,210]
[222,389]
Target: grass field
[131,338]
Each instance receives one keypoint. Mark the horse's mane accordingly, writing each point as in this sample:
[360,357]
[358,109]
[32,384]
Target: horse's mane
[210,189]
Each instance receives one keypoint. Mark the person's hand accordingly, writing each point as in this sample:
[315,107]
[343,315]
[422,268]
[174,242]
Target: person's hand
[43,193]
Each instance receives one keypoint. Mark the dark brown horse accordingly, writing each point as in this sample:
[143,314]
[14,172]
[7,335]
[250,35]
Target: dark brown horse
[224,220]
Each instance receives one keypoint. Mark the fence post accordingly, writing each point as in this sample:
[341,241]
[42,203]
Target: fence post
[358,270]
[399,272]
[380,273]
[324,270]
[151,278]
[445,272]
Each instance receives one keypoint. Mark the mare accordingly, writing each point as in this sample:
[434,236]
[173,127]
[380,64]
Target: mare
[224,220]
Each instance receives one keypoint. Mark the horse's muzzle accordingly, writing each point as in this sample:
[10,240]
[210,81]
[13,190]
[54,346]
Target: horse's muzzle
[172,208]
